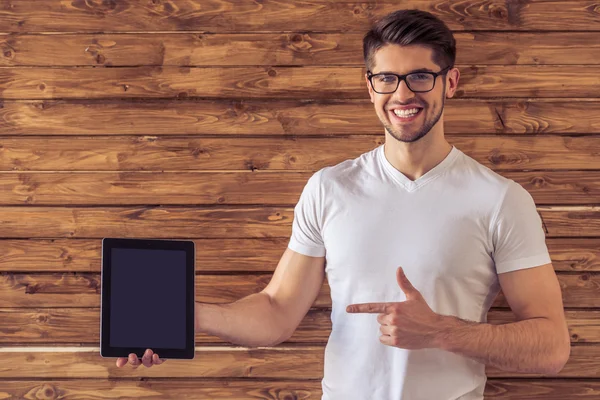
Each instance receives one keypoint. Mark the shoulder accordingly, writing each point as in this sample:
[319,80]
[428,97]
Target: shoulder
[483,178]
[338,179]
[352,167]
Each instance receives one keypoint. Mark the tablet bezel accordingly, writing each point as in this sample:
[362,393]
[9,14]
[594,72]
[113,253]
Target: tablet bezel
[106,349]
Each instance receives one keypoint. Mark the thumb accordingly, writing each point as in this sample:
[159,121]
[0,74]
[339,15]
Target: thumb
[407,287]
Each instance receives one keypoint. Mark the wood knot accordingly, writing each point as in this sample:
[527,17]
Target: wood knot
[497,158]
[538,182]
[197,151]
[499,12]
[109,4]
[272,73]
[31,289]
[276,217]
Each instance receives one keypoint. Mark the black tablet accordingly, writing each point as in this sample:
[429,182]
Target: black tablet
[148,298]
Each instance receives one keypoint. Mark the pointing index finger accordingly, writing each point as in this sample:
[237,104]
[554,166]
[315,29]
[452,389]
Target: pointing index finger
[367,308]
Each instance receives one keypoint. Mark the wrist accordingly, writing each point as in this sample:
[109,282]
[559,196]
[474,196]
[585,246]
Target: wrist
[447,326]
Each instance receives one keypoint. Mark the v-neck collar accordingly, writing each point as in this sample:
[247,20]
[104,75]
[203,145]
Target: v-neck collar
[411,186]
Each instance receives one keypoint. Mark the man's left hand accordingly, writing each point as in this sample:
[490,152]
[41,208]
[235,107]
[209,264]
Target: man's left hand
[409,324]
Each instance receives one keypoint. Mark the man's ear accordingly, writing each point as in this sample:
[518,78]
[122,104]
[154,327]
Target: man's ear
[452,82]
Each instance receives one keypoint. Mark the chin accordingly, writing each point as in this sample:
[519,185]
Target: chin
[410,138]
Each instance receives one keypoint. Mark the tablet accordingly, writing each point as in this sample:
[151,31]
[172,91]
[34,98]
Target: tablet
[147,298]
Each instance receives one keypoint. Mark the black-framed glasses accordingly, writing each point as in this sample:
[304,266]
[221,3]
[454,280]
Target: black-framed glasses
[418,82]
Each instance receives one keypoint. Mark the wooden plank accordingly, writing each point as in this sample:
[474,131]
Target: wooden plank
[229,255]
[151,153]
[83,289]
[547,389]
[520,81]
[284,117]
[220,255]
[564,221]
[70,326]
[236,188]
[180,389]
[574,254]
[290,362]
[173,222]
[146,221]
[516,389]
[317,15]
[293,49]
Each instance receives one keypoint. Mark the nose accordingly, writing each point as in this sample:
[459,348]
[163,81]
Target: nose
[403,93]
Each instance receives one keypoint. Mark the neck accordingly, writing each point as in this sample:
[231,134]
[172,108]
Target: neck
[414,160]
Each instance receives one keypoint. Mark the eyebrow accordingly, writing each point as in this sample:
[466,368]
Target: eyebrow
[411,72]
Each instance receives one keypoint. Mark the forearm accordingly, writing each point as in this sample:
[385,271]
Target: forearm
[252,321]
[528,346]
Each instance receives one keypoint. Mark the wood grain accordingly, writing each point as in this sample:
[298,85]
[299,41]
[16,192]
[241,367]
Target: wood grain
[229,255]
[281,15]
[547,389]
[292,49]
[290,362]
[151,153]
[188,389]
[83,289]
[70,326]
[173,222]
[284,117]
[216,255]
[518,81]
[180,389]
[236,188]
[204,119]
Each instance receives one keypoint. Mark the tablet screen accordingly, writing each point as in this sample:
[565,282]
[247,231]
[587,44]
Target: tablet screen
[148,298]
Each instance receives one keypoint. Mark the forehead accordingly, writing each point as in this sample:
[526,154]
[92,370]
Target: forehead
[403,59]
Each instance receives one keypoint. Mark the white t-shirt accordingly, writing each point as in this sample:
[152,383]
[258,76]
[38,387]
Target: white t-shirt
[452,230]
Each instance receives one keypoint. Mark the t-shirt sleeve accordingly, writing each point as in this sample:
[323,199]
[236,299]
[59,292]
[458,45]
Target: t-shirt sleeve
[306,229]
[518,236]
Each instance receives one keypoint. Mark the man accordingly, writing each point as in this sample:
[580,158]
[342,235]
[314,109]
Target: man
[419,239]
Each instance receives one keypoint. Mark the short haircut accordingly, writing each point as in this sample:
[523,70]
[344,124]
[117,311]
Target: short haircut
[411,27]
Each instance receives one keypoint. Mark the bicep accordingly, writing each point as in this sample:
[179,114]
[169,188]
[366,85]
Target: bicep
[295,285]
[533,293]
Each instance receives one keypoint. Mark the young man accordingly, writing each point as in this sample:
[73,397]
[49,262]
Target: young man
[419,239]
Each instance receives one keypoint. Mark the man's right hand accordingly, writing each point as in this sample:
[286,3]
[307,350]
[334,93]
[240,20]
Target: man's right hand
[149,359]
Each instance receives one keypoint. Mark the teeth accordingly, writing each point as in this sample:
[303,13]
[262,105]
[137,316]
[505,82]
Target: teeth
[406,113]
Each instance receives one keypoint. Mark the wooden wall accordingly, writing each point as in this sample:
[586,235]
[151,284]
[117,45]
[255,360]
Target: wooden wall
[203,119]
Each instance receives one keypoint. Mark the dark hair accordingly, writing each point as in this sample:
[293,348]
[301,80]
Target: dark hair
[410,27]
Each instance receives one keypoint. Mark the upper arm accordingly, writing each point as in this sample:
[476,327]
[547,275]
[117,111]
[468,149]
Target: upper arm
[294,287]
[534,293]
